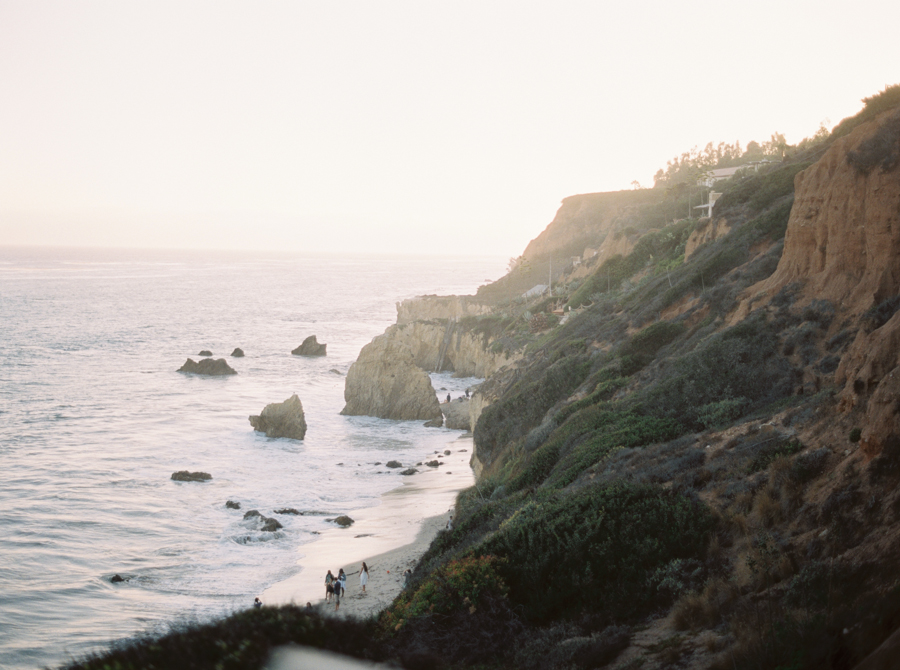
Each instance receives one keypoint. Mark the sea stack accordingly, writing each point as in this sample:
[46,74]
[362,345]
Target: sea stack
[282,419]
[207,366]
[310,347]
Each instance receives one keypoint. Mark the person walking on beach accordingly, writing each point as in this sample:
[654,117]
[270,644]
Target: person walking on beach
[364,576]
[257,603]
[342,580]
[337,594]
[329,586]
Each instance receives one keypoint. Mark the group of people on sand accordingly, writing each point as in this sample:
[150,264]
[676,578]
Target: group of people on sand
[336,586]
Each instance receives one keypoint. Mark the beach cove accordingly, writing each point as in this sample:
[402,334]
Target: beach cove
[389,537]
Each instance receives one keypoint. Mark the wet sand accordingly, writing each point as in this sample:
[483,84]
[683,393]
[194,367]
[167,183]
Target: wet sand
[390,538]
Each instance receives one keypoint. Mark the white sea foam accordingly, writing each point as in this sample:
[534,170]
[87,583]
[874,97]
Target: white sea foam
[94,420]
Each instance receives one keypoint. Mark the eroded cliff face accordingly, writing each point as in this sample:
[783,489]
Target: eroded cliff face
[843,236]
[468,354]
[707,231]
[432,307]
[843,245]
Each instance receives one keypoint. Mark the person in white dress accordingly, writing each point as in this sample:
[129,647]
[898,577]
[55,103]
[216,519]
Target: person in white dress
[364,576]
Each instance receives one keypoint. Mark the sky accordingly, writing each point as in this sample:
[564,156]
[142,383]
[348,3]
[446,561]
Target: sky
[380,126]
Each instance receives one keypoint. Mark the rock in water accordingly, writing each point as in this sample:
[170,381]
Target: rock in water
[208,366]
[237,353]
[385,382]
[343,521]
[282,419]
[264,523]
[205,352]
[185,476]
[231,504]
[310,347]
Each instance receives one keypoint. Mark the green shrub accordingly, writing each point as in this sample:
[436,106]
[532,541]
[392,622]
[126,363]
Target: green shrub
[459,584]
[721,413]
[881,150]
[855,434]
[609,540]
[761,190]
[769,452]
[522,408]
[743,362]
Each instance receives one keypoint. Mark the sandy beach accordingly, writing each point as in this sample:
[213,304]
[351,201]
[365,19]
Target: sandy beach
[390,538]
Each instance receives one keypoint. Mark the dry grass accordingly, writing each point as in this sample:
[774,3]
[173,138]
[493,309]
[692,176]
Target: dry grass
[767,508]
[704,609]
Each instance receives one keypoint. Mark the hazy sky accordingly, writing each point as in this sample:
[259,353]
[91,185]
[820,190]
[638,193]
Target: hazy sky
[418,126]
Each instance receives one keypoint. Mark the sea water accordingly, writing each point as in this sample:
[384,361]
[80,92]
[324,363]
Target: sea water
[94,419]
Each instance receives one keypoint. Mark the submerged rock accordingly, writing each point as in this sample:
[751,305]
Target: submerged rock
[231,504]
[185,476]
[344,521]
[409,471]
[310,347]
[282,419]
[238,352]
[287,510]
[392,464]
[264,523]
[115,579]
[207,366]
[205,352]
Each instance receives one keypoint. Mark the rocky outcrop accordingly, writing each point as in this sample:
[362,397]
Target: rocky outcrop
[343,521]
[456,414]
[282,419]
[706,231]
[185,476]
[263,523]
[386,382]
[237,353]
[310,347]
[208,366]
[205,352]
[431,307]
[468,353]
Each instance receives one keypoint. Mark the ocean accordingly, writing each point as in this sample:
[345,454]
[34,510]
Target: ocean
[94,419]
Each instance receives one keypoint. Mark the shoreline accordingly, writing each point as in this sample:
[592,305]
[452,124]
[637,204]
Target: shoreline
[390,538]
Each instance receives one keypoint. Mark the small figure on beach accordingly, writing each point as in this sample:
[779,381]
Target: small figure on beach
[342,580]
[308,606]
[337,594]
[364,576]
[406,576]
[257,603]
[448,398]
[467,393]
[450,523]
[329,586]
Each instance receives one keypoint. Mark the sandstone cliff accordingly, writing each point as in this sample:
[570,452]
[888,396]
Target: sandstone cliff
[386,382]
[843,236]
[467,354]
[843,245]
[431,307]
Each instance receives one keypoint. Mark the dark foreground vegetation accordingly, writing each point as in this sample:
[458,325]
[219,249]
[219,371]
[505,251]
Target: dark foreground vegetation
[663,485]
